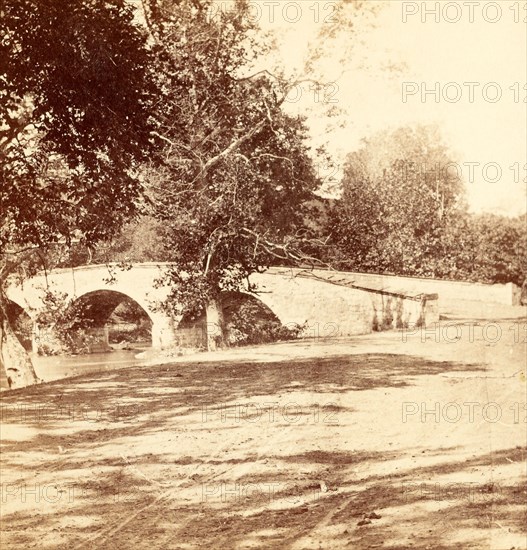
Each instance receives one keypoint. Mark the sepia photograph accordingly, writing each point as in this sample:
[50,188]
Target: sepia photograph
[263,274]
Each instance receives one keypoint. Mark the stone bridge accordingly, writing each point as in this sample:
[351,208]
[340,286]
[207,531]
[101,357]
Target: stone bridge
[326,305]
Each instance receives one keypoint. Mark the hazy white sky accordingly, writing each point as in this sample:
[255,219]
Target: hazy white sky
[484,43]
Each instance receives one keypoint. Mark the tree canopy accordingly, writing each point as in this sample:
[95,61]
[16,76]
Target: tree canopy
[74,119]
[398,202]
[233,171]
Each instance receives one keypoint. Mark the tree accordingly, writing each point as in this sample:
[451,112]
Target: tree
[498,249]
[402,211]
[75,98]
[401,197]
[235,170]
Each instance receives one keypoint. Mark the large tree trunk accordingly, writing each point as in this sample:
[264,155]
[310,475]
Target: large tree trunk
[14,359]
[215,322]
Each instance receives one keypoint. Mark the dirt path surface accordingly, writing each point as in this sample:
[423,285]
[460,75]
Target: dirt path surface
[395,440]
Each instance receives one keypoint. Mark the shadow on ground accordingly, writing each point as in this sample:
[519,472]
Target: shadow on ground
[304,499]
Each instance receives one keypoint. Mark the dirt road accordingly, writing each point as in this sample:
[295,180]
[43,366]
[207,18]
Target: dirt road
[394,440]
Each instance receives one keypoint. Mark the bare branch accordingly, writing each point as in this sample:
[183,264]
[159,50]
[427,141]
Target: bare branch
[282,251]
[259,73]
[232,147]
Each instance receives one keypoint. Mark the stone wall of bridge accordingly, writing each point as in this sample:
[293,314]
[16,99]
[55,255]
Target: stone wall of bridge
[327,309]
[324,308]
[448,291]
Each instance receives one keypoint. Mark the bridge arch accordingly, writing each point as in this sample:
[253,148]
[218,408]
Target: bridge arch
[102,302]
[138,283]
[245,319]
[93,310]
[21,304]
[248,319]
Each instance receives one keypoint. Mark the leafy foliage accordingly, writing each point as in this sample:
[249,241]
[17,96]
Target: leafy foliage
[403,212]
[493,249]
[60,325]
[235,170]
[399,199]
[75,99]
[74,109]
[248,321]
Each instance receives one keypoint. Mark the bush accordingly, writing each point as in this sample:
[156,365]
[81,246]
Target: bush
[249,322]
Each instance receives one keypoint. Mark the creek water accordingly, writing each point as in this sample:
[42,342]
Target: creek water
[64,366]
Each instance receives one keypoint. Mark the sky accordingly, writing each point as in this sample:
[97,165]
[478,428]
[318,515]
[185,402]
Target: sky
[470,56]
